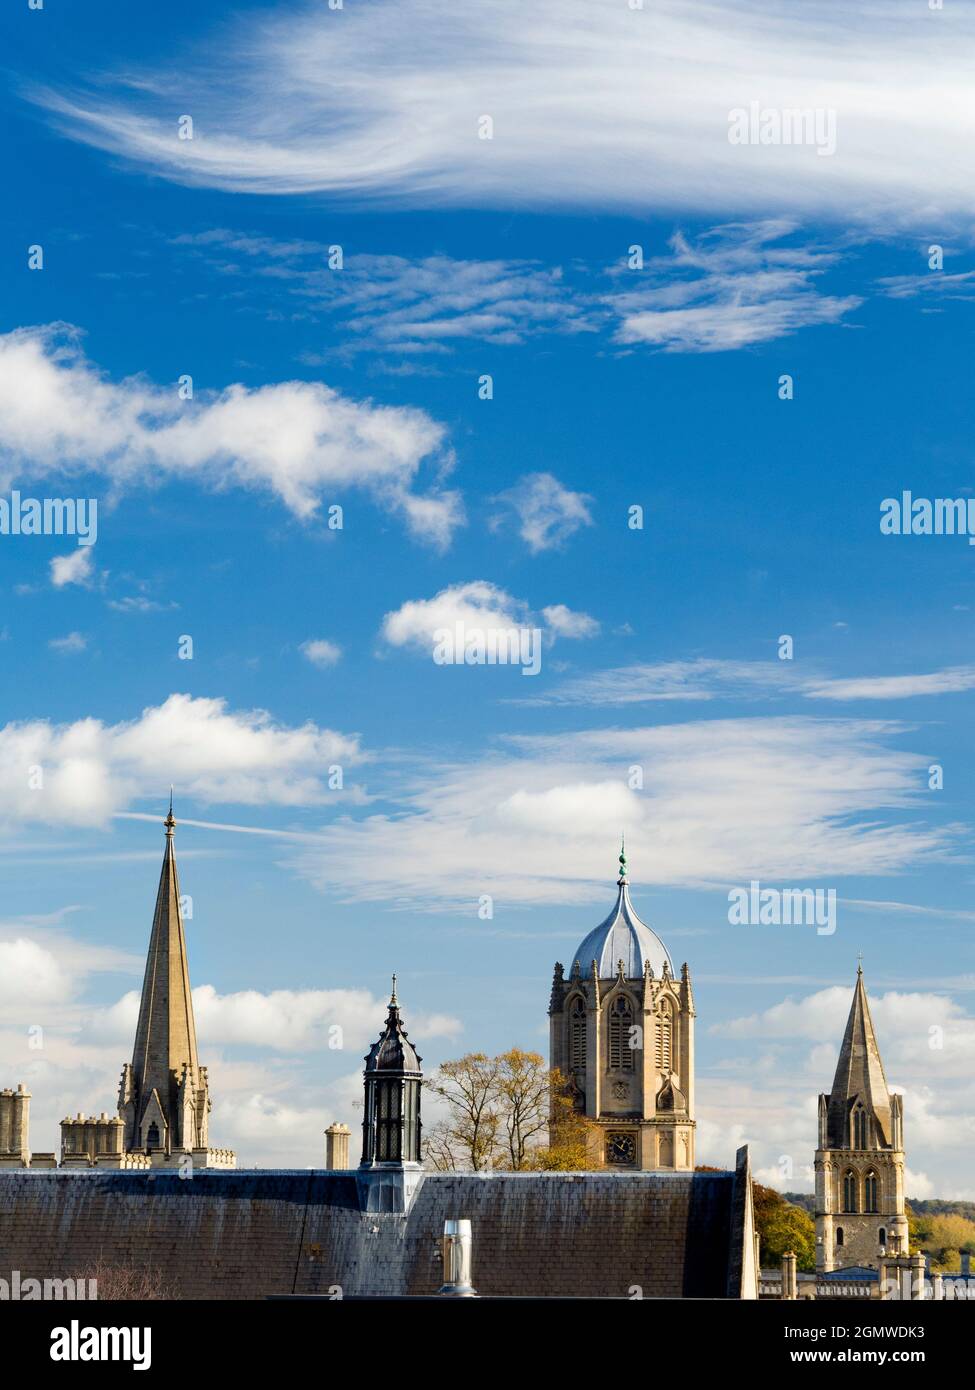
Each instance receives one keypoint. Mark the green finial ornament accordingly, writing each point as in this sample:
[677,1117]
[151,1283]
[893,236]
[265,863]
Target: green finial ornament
[623,857]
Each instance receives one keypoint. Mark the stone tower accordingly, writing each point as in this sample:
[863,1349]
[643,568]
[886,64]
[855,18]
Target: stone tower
[391,1129]
[164,1096]
[860,1214]
[622,1033]
[14,1127]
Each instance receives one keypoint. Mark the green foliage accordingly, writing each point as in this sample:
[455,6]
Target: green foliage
[942,1235]
[782,1226]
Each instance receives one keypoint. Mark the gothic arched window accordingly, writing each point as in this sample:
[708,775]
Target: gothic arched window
[388,1096]
[839,1237]
[620,1023]
[850,1191]
[882,1236]
[577,1035]
[664,1052]
[858,1128]
[870,1192]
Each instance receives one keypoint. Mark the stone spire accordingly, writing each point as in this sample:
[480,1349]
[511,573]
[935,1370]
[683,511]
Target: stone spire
[860,1211]
[164,1098]
[859,1075]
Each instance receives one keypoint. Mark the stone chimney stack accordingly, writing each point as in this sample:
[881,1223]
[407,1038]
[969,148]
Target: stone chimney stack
[966,1264]
[790,1277]
[337,1147]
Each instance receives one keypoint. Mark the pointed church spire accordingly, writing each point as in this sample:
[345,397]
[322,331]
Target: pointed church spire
[165,1040]
[859,1075]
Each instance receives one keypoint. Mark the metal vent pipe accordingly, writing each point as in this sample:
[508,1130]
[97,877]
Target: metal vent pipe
[457,1245]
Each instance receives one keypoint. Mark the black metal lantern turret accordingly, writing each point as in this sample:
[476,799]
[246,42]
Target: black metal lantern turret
[391,1129]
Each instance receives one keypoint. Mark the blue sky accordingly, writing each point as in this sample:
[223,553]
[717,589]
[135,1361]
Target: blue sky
[612,387]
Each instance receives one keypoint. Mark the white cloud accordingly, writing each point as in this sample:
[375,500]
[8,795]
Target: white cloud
[547,513]
[300,441]
[91,770]
[791,800]
[479,605]
[73,642]
[705,678]
[563,622]
[73,568]
[392,304]
[31,975]
[593,104]
[931,285]
[947,681]
[321,652]
[699,679]
[284,1020]
[735,286]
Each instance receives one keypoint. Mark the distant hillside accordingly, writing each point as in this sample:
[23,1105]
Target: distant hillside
[806,1200]
[935,1207]
[931,1206]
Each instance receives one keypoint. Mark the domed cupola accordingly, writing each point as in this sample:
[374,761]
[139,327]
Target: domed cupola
[622,937]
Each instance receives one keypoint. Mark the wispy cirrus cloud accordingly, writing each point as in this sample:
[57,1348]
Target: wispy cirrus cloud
[392,304]
[706,678]
[398,304]
[294,440]
[389,104]
[729,288]
[932,285]
[722,801]
[733,287]
[951,680]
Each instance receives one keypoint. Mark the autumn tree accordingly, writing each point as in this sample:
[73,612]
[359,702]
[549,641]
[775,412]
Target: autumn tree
[575,1143]
[468,1137]
[523,1103]
[783,1227]
[943,1236]
[500,1111]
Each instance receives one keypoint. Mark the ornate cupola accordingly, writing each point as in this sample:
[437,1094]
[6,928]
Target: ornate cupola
[391,1129]
[622,1036]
